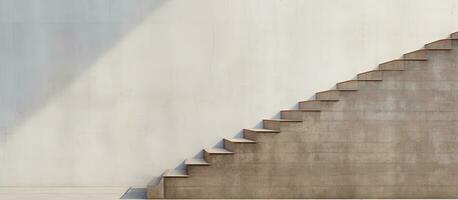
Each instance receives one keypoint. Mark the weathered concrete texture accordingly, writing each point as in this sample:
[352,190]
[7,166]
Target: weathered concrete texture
[394,138]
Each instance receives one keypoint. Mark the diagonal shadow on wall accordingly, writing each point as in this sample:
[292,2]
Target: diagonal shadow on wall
[44,46]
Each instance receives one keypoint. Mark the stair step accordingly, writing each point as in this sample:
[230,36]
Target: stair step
[302,110]
[155,188]
[239,140]
[175,173]
[441,44]
[315,104]
[374,75]
[347,85]
[282,120]
[306,115]
[398,64]
[275,124]
[196,162]
[260,130]
[331,94]
[254,134]
[220,151]
[422,53]
[240,145]
[454,35]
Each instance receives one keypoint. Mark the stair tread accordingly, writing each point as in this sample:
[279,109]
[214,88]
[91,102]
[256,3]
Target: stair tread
[312,100]
[410,59]
[303,110]
[260,130]
[431,49]
[375,70]
[339,90]
[391,69]
[218,151]
[240,140]
[430,43]
[405,59]
[442,40]
[178,173]
[353,80]
[196,161]
[283,120]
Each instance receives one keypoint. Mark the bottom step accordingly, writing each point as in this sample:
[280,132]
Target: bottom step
[155,189]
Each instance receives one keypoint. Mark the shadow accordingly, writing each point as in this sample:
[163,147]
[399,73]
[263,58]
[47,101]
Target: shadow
[45,46]
[135,193]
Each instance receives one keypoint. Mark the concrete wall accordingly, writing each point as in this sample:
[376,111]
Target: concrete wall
[113,92]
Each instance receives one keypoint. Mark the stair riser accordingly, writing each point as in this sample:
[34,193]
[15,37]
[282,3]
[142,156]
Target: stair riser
[365,85]
[258,136]
[276,125]
[333,95]
[300,115]
[401,65]
[409,65]
[443,44]
[315,105]
[395,65]
[240,147]
[454,35]
[371,76]
[428,54]
[155,191]
[349,85]
[213,159]
[194,170]
[416,54]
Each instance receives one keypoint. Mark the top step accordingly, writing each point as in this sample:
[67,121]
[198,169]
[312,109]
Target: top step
[454,35]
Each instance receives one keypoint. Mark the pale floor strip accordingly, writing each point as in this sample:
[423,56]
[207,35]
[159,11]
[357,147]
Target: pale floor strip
[58,193]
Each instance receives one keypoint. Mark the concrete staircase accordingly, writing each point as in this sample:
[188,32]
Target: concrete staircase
[390,133]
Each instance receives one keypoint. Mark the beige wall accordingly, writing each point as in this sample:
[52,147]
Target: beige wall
[112,92]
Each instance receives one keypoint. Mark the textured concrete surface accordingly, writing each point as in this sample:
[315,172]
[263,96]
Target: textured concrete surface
[394,138]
